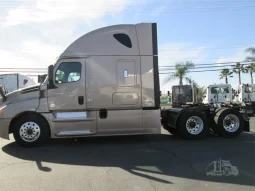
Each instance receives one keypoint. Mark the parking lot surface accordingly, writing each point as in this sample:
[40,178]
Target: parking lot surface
[154,162]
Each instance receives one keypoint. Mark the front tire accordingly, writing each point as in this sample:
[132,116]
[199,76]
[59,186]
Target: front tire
[30,130]
[193,125]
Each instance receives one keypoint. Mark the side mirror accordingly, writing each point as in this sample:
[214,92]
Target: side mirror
[2,93]
[50,77]
[41,78]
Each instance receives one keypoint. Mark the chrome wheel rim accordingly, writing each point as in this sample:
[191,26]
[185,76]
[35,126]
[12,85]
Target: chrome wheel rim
[231,123]
[194,125]
[30,131]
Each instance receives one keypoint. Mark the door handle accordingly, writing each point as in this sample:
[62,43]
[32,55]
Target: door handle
[81,100]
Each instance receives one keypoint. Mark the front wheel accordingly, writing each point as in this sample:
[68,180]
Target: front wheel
[30,130]
[193,125]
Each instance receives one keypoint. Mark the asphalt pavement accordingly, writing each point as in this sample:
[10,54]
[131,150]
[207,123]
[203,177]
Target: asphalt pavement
[151,163]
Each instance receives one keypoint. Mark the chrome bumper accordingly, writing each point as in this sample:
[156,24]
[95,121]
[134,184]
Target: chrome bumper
[4,128]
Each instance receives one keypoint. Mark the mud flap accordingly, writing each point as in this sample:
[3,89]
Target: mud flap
[170,116]
[246,123]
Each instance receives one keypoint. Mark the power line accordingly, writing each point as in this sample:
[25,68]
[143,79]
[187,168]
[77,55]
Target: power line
[191,71]
[222,67]
[195,71]
[210,64]
[24,68]
[32,71]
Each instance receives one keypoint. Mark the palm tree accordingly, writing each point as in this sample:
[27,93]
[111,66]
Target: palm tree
[201,92]
[191,82]
[181,71]
[250,50]
[238,69]
[225,73]
[251,67]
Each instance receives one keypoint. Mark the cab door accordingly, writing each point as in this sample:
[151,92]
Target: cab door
[67,100]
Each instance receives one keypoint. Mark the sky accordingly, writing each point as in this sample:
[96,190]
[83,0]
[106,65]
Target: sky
[34,32]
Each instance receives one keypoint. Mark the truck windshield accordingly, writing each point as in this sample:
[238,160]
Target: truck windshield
[248,89]
[218,90]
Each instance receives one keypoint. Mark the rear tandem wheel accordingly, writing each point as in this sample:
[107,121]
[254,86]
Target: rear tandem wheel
[193,125]
[229,123]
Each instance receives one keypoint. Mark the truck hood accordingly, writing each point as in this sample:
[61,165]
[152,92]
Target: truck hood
[19,95]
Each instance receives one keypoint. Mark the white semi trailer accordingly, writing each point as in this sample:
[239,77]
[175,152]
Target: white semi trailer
[12,82]
[107,83]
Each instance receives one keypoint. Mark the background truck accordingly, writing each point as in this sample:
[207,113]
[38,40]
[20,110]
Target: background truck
[107,83]
[246,93]
[218,93]
[12,82]
[223,95]
[184,95]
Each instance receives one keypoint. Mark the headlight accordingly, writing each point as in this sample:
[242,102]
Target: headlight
[2,109]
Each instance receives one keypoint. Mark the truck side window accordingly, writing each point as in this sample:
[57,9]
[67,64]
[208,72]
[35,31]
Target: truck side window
[123,39]
[68,72]
[248,89]
[214,90]
[224,90]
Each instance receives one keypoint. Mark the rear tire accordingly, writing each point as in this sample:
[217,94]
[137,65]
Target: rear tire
[229,123]
[31,130]
[193,125]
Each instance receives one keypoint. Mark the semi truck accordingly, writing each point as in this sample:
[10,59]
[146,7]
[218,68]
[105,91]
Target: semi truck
[246,93]
[106,83]
[223,94]
[184,95]
[12,82]
[218,93]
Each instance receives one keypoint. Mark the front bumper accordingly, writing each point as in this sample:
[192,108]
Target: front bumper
[4,128]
